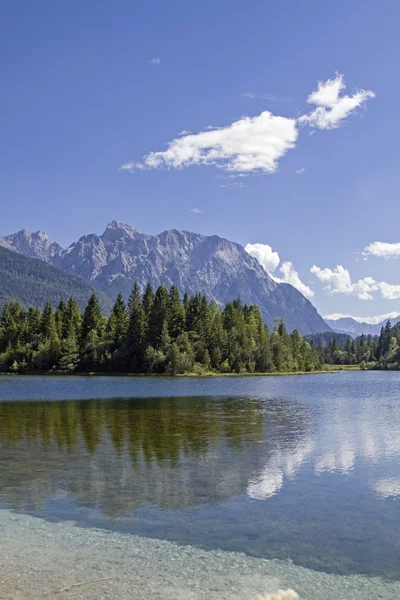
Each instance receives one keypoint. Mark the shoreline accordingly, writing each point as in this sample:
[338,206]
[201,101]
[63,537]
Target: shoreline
[167,376]
[145,568]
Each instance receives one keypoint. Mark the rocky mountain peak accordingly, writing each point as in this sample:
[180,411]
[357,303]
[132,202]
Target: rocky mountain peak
[115,230]
[36,244]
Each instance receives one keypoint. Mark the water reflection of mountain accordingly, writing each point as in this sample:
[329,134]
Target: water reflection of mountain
[122,454]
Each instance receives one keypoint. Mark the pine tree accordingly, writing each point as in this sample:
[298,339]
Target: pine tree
[72,320]
[148,300]
[136,328]
[92,319]
[59,317]
[120,319]
[164,339]
[10,324]
[176,313]
[48,324]
[295,342]
[69,357]
[158,317]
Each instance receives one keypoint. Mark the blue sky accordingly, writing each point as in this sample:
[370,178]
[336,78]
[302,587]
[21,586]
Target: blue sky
[81,97]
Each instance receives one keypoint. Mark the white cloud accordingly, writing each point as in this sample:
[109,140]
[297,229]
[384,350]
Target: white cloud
[265,255]
[389,291]
[270,260]
[233,184]
[290,275]
[255,144]
[131,167]
[197,211]
[339,282]
[370,320]
[270,97]
[336,316]
[155,61]
[248,145]
[184,132]
[332,107]
[232,176]
[383,250]
[128,166]
[301,171]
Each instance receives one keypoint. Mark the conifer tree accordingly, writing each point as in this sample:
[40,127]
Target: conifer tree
[136,327]
[158,318]
[10,324]
[148,300]
[72,320]
[69,355]
[59,317]
[33,321]
[48,324]
[92,319]
[176,313]
[120,319]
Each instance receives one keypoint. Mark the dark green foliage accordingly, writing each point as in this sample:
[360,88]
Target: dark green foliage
[159,333]
[34,282]
[92,320]
[177,313]
[137,327]
[370,352]
[118,322]
[72,320]
[158,316]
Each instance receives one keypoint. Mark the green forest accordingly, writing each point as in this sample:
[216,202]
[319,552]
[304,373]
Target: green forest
[33,282]
[367,351]
[157,332]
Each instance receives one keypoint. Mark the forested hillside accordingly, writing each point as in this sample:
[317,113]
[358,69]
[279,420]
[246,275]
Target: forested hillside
[33,282]
[156,333]
[370,352]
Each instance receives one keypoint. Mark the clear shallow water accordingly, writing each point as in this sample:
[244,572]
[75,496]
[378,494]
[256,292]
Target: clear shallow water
[306,468]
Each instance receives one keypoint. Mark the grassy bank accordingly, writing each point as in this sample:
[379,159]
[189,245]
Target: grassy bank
[345,367]
[165,375]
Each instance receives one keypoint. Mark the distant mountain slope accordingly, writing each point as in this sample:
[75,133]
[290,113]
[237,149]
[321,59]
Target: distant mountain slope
[214,266]
[32,282]
[350,326]
[324,339]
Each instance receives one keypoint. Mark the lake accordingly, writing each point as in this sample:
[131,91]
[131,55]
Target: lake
[303,471]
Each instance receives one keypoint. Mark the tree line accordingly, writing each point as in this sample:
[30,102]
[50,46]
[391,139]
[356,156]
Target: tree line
[157,332]
[367,351]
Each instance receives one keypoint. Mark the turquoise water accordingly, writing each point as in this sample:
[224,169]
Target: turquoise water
[305,468]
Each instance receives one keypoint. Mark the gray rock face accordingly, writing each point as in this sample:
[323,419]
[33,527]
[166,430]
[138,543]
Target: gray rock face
[4,244]
[36,245]
[216,267]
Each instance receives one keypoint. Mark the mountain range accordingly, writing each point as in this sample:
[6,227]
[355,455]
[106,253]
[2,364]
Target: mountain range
[354,328]
[216,267]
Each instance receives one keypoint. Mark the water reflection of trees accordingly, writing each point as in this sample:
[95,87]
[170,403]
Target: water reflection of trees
[119,455]
[158,429]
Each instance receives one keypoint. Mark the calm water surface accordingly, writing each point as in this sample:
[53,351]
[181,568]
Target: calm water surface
[303,467]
